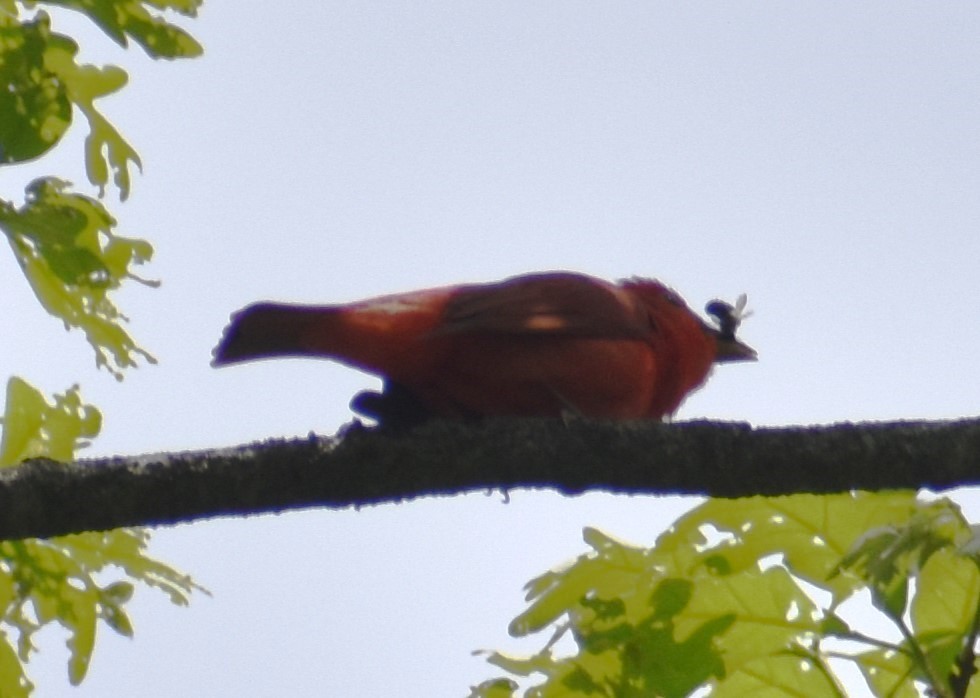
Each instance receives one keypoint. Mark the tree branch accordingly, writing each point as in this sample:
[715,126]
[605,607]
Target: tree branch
[363,466]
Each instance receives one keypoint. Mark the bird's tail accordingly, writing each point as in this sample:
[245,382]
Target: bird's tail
[266,330]
[380,336]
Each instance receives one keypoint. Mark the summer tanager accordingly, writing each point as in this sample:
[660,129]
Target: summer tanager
[541,344]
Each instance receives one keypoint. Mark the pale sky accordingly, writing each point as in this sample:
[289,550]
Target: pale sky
[822,157]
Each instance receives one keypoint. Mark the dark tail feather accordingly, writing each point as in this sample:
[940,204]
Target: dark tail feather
[266,330]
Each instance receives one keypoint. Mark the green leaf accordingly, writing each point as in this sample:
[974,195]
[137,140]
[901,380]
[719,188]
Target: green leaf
[494,688]
[656,663]
[43,81]
[116,618]
[832,625]
[129,18]
[620,658]
[105,148]
[542,663]
[641,633]
[126,549]
[62,236]
[35,110]
[710,605]
[670,598]
[55,580]
[811,533]
[886,556]
[771,611]
[120,592]
[13,681]
[79,617]
[942,612]
[973,690]
[649,658]
[612,566]
[948,592]
[65,245]
[621,613]
[888,673]
[22,422]
[34,427]
[778,676]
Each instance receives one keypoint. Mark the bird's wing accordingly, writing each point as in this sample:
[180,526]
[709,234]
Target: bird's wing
[554,304]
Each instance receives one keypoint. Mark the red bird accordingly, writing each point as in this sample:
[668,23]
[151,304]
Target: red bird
[539,344]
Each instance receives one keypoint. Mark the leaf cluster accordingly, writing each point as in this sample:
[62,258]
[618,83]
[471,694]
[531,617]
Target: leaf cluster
[63,241]
[723,603]
[66,246]
[59,579]
[43,80]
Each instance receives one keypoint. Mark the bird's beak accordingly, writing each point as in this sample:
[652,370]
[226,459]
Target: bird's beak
[733,350]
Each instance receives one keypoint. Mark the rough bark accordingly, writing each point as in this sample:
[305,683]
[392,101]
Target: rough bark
[364,466]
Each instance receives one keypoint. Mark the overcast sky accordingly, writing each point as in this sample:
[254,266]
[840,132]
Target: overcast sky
[822,157]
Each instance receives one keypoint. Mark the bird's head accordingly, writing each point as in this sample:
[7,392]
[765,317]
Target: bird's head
[728,317]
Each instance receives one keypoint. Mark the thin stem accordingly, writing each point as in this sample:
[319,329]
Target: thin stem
[873,641]
[939,685]
[817,657]
[966,660]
